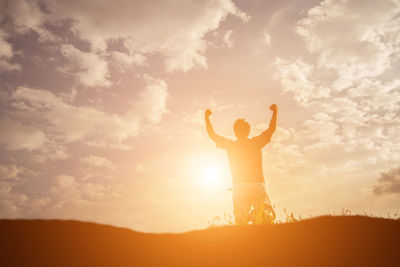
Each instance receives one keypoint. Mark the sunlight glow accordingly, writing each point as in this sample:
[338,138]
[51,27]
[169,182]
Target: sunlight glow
[211,175]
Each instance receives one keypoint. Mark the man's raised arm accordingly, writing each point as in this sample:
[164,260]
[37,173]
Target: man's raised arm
[265,136]
[209,127]
[272,122]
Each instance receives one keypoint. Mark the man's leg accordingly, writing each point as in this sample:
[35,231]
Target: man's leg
[241,204]
[263,210]
[269,213]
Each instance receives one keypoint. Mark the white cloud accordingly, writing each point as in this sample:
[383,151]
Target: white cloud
[10,201]
[105,144]
[19,134]
[69,190]
[196,117]
[228,40]
[6,54]
[15,135]
[365,49]
[65,190]
[266,39]
[89,68]
[96,161]
[174,29]
[125,61]
[43,120]
[347,83]
[51,151]
[65,181]
[61,121]
[25,16]
[96,176]
[11,172]
[153,100]
[14,204]
[299,77]
[140,168]
[388,182]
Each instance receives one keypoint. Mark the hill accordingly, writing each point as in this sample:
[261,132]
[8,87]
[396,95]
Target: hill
[322,241]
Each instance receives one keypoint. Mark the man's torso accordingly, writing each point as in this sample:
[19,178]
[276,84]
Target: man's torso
[245,160]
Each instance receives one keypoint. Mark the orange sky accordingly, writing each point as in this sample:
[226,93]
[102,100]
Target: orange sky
[102,107]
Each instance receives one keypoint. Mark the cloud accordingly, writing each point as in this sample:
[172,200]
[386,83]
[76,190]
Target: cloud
[125,61]
[6,54]
[128,32]
[196,117]
[388,182]
[173,29]
[14,204]
[65,181]
[15,135]
[96,161]
[140,168]
[266,39]
[366,49]
[10,201]
[51,151]
[11,172]
[60,120]
[228,40]
[42,119]
[221,39]
[65,190]
[153,100]
[24,16]
[89,68]
[298,77]
[69,190]
[347,83]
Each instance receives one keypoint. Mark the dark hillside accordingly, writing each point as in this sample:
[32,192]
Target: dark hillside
[323,241]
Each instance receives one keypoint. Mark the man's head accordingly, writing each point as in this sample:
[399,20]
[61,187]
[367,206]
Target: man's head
[241,128]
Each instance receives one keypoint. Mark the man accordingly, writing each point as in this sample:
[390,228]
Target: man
[250,200]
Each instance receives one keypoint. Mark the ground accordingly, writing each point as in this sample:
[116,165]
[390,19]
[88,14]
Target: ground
[322,241]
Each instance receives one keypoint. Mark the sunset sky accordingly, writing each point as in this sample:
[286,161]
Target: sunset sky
[102,107]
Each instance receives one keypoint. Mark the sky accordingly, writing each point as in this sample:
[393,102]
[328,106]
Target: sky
[102,107]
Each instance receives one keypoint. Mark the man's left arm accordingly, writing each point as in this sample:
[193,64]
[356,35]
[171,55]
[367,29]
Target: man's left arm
[265,136]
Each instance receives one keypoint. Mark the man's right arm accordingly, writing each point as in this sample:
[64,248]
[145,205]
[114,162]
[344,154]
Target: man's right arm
[210,130]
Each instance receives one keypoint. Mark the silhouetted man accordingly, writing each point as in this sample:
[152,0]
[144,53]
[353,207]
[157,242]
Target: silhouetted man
[250,200]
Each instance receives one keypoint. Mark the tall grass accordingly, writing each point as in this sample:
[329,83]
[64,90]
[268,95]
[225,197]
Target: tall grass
[256,217]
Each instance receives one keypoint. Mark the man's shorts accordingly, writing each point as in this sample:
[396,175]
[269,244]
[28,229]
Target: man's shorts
[251,204]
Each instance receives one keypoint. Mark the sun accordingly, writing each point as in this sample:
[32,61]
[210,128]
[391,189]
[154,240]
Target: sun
[208,172]
[211,175]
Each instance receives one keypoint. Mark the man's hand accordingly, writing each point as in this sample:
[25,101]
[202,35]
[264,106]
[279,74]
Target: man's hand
[208,113]
[273,107]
